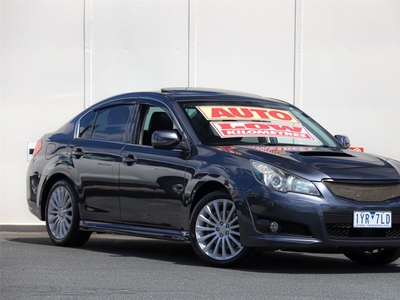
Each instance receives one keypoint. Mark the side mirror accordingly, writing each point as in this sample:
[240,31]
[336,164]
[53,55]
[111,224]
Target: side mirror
[343,140]
[165,139]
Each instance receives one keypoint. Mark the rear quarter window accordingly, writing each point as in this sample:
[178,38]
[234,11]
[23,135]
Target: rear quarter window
[86,125]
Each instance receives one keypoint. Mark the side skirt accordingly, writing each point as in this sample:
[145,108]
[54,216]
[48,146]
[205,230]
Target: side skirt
[158,233]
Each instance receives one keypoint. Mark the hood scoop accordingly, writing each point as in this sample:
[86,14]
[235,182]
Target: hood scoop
[325,153]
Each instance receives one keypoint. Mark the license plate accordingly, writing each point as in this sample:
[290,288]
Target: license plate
[372,219]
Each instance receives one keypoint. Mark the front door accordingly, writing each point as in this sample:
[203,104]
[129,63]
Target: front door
[152,180]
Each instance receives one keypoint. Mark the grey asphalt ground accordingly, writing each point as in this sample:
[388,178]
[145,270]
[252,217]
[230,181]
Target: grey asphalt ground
[120,267]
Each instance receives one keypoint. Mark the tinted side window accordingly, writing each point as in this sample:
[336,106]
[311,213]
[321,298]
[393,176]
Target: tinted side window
[86,125]
[111,123]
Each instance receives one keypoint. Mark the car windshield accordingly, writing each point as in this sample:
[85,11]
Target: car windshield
[223,123]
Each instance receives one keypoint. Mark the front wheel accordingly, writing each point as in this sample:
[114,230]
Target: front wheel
[380,256]
[215,232]
[62,216]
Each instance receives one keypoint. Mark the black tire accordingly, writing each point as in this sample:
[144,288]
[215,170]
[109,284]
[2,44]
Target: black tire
[381,256]
[214,231]
[62,216]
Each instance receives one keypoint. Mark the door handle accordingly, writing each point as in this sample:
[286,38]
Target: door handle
[77,153]
[128,160]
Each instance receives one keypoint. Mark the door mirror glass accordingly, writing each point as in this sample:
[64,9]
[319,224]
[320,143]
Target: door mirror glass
[165,139]
[344,140]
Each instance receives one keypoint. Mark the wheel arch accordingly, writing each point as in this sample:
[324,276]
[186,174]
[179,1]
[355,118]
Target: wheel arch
[46,190]
[204,189]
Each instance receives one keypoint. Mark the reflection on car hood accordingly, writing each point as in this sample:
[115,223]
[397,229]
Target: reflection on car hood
[316,163]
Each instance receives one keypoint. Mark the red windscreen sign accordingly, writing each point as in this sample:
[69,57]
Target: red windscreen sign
[258,129]
[246,113]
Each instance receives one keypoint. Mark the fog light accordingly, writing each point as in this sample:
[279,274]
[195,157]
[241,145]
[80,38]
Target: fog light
[274,226]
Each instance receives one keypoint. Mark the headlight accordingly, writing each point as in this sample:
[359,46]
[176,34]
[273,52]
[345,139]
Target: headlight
[280,180]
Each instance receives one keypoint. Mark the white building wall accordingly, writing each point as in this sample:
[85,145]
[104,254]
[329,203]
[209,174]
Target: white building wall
[246,46]
[138,46]
[351,70]
[41,87]
[338,60]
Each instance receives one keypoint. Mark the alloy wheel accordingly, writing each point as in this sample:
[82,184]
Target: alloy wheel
[217,230]
[60,212]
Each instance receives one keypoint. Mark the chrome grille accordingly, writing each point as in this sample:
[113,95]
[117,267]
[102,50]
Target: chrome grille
[368,192]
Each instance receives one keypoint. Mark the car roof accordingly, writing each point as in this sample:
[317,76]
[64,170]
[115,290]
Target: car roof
[204,92]
[177,94]
[196,93]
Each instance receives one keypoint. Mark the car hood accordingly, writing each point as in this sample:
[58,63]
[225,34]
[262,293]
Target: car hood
[316,163]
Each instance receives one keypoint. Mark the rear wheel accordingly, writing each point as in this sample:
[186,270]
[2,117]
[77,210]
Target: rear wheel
[62,216]
[215,232]
[380,256]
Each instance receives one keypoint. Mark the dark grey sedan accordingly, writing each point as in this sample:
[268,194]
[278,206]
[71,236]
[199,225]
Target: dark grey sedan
[229,172]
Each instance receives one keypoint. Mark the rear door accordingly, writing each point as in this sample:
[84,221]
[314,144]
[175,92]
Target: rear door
[96,161]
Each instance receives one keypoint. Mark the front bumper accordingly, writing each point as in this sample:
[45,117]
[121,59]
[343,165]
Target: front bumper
[309,223]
